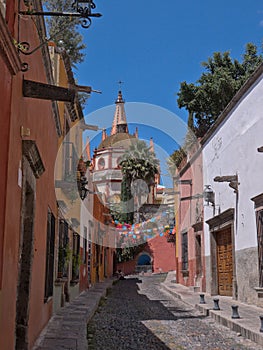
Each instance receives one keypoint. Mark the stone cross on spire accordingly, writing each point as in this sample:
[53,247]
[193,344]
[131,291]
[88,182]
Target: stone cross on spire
[119,124]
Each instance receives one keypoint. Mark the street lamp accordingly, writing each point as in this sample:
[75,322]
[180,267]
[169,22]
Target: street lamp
[209,195]
[83,191]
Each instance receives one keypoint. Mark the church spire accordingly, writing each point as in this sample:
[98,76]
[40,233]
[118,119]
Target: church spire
[104,135]
[87,149]
[119,124]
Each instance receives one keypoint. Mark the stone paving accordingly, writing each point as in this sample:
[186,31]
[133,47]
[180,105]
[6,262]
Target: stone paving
[139,314]
[149,312]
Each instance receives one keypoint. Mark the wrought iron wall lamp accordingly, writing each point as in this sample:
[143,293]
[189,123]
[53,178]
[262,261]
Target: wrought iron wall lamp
[209,195]
[81,10]
[83,191]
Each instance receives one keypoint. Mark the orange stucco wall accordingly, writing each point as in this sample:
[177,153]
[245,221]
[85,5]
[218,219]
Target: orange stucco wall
[38,117]
[5,93]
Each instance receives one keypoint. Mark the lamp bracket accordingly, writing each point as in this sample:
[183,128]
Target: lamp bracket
[232,179]
[82,12]
[184,182]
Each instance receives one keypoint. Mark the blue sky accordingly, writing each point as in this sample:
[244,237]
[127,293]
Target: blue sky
[152,46]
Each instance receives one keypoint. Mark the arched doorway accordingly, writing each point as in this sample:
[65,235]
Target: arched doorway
[144,262]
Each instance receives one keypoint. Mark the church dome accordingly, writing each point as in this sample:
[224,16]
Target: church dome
[121,139]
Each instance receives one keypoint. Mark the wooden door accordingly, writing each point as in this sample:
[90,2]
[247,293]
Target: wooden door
[224,262]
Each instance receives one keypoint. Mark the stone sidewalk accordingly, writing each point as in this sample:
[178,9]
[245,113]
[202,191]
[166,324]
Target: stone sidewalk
[67,329]
[248,325]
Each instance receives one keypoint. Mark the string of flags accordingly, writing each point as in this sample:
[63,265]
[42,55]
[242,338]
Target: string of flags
[146,229]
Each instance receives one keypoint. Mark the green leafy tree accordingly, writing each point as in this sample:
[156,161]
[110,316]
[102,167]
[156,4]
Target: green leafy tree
[206,99]
[175,159]
[129,253]
[64,31]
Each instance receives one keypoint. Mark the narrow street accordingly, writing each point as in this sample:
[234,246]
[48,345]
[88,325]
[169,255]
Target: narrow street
[138,314]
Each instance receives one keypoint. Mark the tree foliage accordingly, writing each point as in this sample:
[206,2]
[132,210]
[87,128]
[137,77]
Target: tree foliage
[129,253]
[207,98]
[139,162]
[64,31]
[175,159]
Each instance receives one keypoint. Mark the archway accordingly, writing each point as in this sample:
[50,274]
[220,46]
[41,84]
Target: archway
[144,262]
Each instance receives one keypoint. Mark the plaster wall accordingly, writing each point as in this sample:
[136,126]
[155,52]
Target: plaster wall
[190,212]
[232,149]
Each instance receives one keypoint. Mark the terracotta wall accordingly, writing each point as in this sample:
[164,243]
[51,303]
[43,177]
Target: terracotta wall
[37,116]
[5,92]
[161,252]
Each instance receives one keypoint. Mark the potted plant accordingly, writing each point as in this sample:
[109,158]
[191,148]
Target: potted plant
[76,261]
[64,256]
[61,261]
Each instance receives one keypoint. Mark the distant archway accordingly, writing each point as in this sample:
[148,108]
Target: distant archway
[144,259]
[144,262]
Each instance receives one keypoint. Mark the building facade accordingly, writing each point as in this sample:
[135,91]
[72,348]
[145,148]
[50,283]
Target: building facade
[232,166]
[28,209]
[190,267]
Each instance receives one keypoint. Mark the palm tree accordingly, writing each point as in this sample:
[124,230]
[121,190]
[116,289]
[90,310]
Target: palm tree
[139,162]
[139,165]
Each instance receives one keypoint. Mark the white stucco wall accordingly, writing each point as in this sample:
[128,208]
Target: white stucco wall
[232,149]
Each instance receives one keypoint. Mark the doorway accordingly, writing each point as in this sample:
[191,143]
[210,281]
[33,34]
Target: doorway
[224,262]
[25,266]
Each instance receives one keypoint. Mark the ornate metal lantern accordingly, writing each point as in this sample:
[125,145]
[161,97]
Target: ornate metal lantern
[209,195]
[83,191]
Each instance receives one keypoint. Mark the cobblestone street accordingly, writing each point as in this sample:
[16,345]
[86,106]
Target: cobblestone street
[138,314]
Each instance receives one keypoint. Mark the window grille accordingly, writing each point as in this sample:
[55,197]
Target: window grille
[50,255]
[184,251]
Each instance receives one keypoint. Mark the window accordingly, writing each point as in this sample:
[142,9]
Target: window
[85,245]
[50,255]
[259,219]
[75,256]
[70,156]
[63,249]
[184,251]
[258,202]
[118,163]
[89,251]
[101,163]
[3,7]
